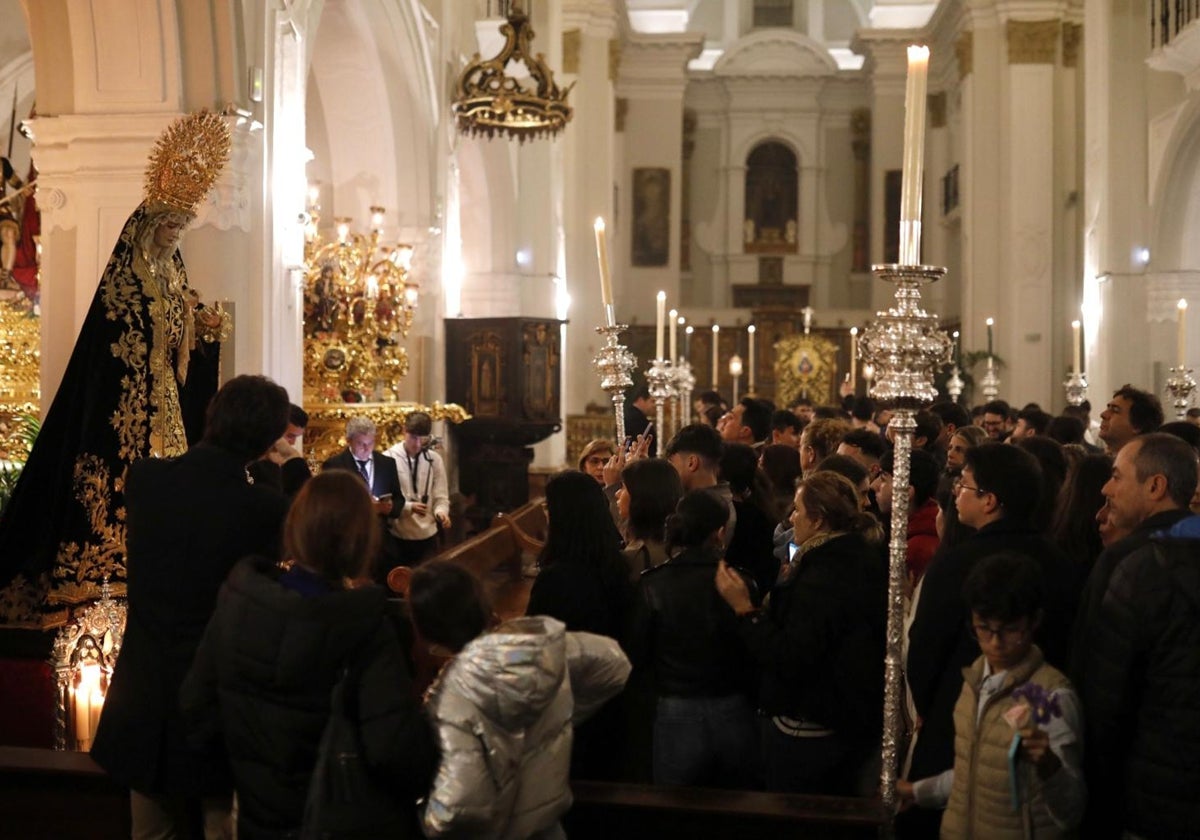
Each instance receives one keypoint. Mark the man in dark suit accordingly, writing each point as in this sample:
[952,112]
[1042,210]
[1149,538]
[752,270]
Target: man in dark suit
[190,519]
[379,472]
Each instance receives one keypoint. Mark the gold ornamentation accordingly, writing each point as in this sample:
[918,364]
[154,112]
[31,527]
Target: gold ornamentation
[92,641]
[324,436]
[488,101]
[186,161]
[541,372]
[805,366]
[964,51]
[487,394]
[571,41]
[1072,38]
[20,357]
[78,569]
[1033,41]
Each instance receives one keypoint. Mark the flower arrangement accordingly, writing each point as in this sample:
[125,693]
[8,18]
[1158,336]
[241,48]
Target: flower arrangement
[1034,704]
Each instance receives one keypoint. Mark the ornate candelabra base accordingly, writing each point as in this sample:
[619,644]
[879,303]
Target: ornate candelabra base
[989,386]
[685,383]
[1075,387]
[1180,386]
[955,384]
[661,379]
[614,363]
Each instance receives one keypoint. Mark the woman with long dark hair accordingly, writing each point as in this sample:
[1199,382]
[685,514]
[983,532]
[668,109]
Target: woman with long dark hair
[819,643]
[686,636]
[279,640]
[1074,528]
[582,580]
[650,489]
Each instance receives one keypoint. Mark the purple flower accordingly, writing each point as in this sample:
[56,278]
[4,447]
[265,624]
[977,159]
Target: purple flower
[1044,704]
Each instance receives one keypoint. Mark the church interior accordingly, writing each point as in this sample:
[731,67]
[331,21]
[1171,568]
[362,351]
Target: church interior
[382,247]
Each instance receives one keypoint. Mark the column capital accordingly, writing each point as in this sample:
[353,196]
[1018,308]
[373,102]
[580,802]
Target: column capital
[1033,41]
[656,66]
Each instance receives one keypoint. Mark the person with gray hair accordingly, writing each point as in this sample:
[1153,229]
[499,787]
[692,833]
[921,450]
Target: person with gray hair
[383,480]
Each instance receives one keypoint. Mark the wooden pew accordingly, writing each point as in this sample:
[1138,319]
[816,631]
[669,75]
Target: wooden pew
[53,794]
[508,545]
[609,809]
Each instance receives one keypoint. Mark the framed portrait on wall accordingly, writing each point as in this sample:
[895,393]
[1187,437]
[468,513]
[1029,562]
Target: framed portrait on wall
[651,239]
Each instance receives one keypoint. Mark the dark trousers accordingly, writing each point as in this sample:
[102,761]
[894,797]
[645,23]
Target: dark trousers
[412,552]
[706,741]
[831,765]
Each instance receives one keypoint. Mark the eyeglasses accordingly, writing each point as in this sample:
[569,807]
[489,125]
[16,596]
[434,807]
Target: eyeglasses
[1008,634]
[959,486]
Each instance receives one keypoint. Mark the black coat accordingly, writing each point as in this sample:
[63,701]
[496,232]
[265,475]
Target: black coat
[1143,695]
[685,632]
[191,519]
[940,641]
[753,547]
[384,478]
[820,642]
[262,679]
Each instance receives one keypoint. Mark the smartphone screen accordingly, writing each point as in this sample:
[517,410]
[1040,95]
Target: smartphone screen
[792,550]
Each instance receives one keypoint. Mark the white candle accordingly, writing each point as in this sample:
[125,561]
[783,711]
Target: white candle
[990,323]
[750,330]
[854,357]
[1075,347]
[715,333]
[606,293]
[659,310]
[687,341]
[1181,335]
[914,155]
[676,321]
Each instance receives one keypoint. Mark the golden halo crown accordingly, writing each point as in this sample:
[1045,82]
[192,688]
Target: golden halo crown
[186,161]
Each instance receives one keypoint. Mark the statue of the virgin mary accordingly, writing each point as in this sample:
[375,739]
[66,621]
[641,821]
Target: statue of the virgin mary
[136,385]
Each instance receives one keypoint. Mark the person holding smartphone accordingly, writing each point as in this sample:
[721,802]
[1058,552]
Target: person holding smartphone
[426,490]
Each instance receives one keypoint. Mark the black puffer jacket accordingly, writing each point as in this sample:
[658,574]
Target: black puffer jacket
[262,679]
[1142,695]
[820,642]
[685,632]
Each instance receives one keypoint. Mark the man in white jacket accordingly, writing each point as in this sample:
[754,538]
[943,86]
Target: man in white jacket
[426,492]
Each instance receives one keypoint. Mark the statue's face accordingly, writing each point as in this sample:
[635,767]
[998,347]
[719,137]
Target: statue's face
[168,232]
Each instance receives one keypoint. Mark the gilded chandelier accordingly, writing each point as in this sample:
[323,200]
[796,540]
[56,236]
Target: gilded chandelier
[488,101]
[359,301]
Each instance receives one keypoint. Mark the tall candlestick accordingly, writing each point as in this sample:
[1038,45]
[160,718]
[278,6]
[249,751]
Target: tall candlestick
[715,332]
[990,322]
[659,310]
[687,341]
[854,357]
[675,321]
[914,155]
[1074,347]
[957,348]
[606,292]
[1181,335]
[750,331]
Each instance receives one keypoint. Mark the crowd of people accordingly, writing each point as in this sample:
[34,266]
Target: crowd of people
[713,617]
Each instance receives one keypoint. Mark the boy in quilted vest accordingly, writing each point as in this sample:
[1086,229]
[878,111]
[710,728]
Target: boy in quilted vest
[1009,689]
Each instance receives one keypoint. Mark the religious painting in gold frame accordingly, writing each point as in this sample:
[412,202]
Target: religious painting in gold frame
[805,366]
[541,371]
[486,375]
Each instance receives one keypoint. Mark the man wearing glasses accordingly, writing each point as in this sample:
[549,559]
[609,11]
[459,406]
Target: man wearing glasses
[996,494]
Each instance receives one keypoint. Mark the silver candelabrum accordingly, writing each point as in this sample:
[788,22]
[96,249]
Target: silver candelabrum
[661,378]
[614,363]
[685,383]
[1180,386]
[989,386]
[905,348]
[955,384]
[1075,387]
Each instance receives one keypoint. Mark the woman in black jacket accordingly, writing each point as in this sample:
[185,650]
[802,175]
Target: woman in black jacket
[687,636]
[820,644]
[277,644]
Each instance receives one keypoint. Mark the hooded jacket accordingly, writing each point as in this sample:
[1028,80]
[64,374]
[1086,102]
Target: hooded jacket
[504,709]
[262,679]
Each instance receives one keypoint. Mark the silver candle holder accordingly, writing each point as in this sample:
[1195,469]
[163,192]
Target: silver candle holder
[955,384]
[614,363]
[989,386]
[1180,386]
[1075,387]
[685,383]
[661,378]
[905,348]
